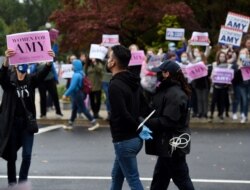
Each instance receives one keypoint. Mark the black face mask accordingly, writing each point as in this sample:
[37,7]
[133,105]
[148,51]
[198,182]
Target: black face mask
[160,77]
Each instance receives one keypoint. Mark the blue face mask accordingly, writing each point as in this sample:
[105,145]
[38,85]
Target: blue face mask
[22,68]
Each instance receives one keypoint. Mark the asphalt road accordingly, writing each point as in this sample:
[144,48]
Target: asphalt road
[82,160]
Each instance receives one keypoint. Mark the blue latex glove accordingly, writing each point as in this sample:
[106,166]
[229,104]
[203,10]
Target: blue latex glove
[145,133]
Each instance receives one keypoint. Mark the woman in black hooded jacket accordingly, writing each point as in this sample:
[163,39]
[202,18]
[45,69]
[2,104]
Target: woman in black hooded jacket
[170,126]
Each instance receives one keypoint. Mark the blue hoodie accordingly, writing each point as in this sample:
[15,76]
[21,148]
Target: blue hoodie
[76,81]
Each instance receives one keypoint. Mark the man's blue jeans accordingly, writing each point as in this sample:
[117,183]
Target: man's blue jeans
[125,165]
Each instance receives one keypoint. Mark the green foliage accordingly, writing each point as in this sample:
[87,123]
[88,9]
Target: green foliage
[168,21]
[3,32]
[19,25]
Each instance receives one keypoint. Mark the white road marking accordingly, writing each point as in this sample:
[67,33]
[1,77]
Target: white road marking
[225,181]
[49,128]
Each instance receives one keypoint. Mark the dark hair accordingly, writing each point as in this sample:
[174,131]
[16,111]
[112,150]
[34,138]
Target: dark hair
[179,77]
[218,56]
[122,54]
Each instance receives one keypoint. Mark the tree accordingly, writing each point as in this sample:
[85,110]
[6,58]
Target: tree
[134,20]
[19,25]
[3,32]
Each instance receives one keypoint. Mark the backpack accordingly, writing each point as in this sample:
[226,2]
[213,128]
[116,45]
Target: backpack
[87,86]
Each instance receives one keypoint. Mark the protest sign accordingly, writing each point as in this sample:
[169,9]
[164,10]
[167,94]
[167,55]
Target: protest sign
[154,61]
[66,71]
[195,71]
[97,52]
[245,71]
[176,34]
[30,47]
[230,36]
[199,39]
[222,75]
[53,33]
[110,40]
[237,21]
[137,58]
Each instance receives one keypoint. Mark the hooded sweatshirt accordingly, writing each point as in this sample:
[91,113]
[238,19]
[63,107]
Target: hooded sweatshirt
[125,101]
[77,78]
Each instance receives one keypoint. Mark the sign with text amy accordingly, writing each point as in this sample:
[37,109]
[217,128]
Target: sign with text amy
[110,40]
[176,34]
[30,47]
[222,75]
[245,71]
[237,21]
[230,36]
[199,39]
[97,52]
[137,58]
[53,33]
[66,71]
[195,71]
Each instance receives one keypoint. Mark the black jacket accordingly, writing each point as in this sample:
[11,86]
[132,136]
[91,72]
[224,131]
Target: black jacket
[126,101]
[170,119]
[8,81]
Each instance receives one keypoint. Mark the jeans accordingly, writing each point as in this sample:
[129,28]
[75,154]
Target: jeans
[105,86]
[241,94]
[78,104]
[125,164]
[171,167]
[220,96]
[19,135]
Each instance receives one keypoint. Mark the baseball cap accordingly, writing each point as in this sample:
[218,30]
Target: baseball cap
[167,65]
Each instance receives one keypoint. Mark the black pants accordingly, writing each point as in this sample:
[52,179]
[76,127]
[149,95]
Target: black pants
[174,168]
[50,86]
[95,102]
[219,98]
[19,137]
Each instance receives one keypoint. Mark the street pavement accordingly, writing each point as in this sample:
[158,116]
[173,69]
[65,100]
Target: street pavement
[82,160]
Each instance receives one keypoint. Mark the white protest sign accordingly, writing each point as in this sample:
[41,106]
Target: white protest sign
[237,21]
[176,34]
[66,71]
[110,40]
[97,52]
[199,39]
[230,36]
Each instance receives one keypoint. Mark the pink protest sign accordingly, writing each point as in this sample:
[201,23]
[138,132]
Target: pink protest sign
[110,40]
[245,71]
[53,33]
[222,76]
[195,71]
[30,47]
[199,39]
[137,58]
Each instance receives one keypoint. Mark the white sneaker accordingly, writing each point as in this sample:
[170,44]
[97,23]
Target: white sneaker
[243,118]
[59,116]
[94,127]
[235,116]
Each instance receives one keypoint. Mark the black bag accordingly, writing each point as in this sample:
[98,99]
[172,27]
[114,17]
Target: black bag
[31,123]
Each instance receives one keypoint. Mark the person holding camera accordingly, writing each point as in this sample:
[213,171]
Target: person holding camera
[18,100]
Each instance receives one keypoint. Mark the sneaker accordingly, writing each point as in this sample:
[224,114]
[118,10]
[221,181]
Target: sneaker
[235,116]
[94,127]
[59,116]
[243,119]
[81,115]
[43,116]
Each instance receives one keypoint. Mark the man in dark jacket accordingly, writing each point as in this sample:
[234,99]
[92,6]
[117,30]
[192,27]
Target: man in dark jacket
[170,126]
[17,85]
[125,102]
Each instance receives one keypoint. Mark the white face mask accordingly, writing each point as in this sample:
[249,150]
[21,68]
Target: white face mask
[184,59]
[222,60]
[243,56]
[172,48]
[198,58]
